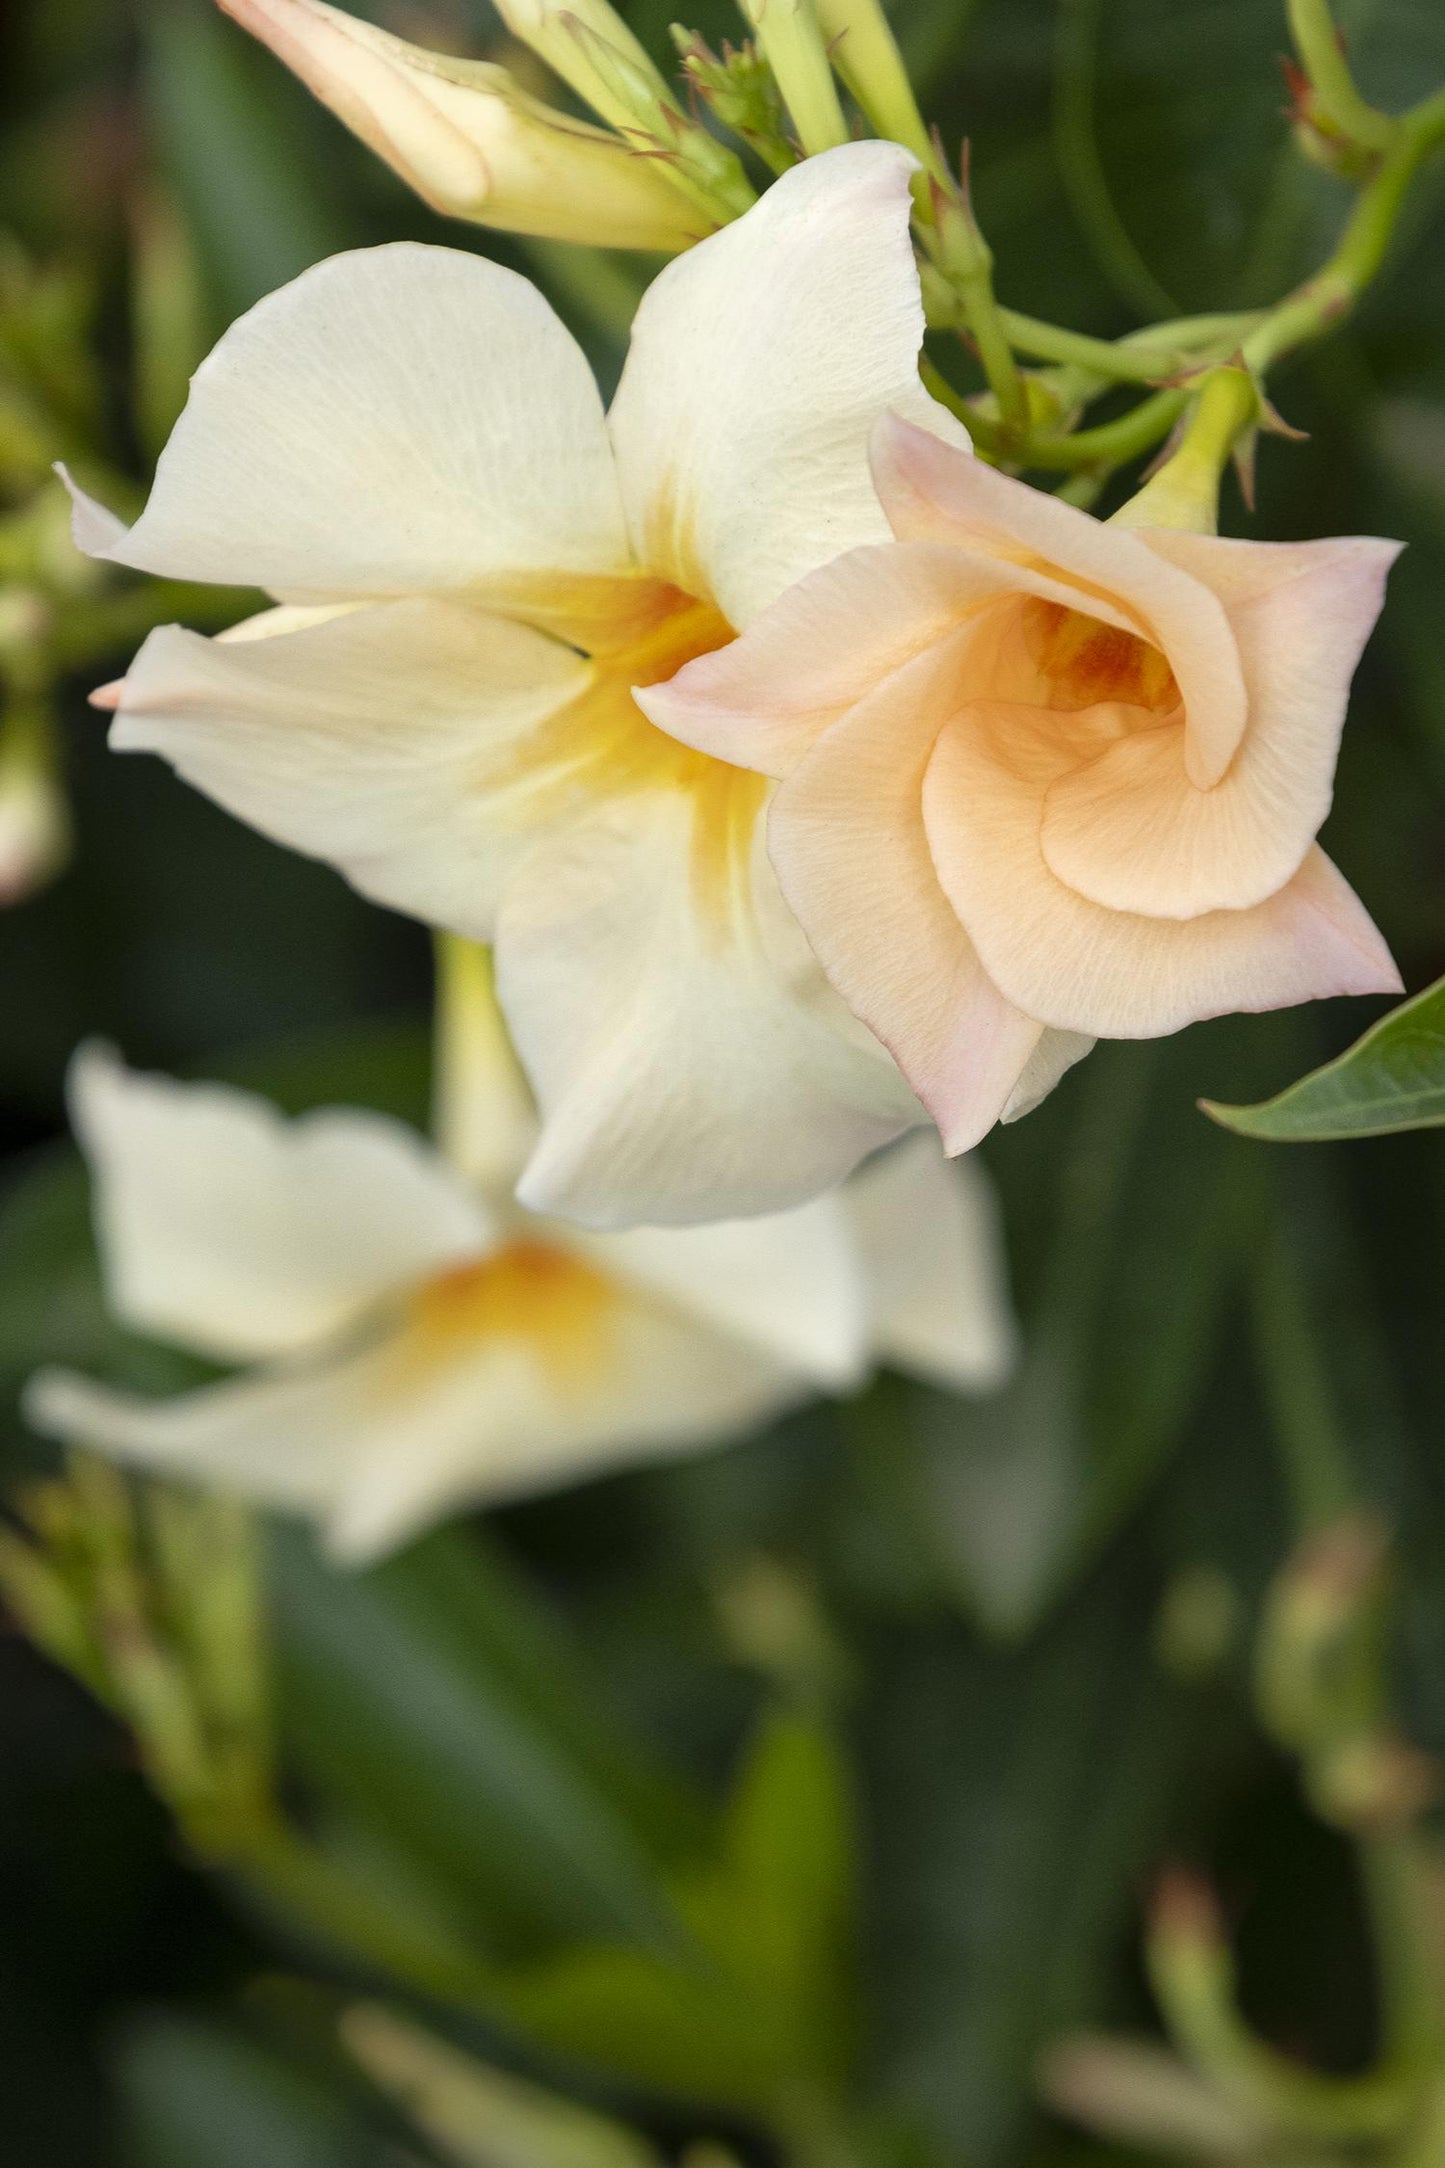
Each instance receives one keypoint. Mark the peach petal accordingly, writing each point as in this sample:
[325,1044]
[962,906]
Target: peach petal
[765,699]
[932,494]
[1115,974]
[847,839]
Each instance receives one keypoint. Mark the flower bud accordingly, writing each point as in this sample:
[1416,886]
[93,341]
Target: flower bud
[469,140]
[789,34]
[34,817]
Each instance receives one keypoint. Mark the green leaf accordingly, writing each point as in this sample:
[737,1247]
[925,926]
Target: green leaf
[402,1700]
[1020,1489]
[1391,1079]
[762,2013]
[197,2097]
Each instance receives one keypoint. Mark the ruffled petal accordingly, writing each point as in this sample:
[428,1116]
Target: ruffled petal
[846,835]
[933,1250]
[1131,831]
[759,362]
[226,1228]
[1114,974]
[398,742]
[764,699]
[688,1057]
[932,495]
[400,420]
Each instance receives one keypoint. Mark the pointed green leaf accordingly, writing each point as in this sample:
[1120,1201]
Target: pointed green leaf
[1391,1079]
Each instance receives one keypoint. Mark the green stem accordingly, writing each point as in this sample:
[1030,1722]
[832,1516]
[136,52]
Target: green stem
[1425,2145]
[865,53]
[965,262]
[1194,1980]
[1185,491]
[1402,1909]
[1143,357]
[1112,443]
[1337,101]
[1332,291]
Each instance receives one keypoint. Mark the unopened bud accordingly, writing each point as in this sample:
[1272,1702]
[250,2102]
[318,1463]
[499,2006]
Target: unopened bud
[470,141]
[1373,1783]
[34,816]
[865,53]
[1317,1672]
[789,33]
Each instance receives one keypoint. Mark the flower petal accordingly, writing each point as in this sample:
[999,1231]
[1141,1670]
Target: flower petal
[398,420]
[1051,1060]
[788,1283]
[767,696]
[932,1244]
[1131,831]
[846,835]
[688,1057]
[933,495]
[1082,968]
[759,362]
[226,1228]
[391,741]
[383,1440]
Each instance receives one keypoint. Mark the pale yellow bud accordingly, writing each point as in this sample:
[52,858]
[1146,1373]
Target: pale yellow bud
[789,35]
[469,140]
[34,816]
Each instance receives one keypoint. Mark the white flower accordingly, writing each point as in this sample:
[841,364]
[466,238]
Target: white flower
[421,1343]
[407,448]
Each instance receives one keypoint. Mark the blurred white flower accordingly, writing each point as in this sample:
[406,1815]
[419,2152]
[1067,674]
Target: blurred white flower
[421,1343]
[479,565]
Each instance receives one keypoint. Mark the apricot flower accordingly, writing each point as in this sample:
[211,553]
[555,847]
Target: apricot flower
[478,566]
[424,1344]
[1039,771]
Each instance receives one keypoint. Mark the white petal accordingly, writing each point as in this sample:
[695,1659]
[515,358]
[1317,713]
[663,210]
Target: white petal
[1051,1060]
[788,1283]
[383,1441]
[285,1440]
[397,420]
[932,1247]
[759,362]
[689,1059]
[495,1425]
[226,1228]
[385,740]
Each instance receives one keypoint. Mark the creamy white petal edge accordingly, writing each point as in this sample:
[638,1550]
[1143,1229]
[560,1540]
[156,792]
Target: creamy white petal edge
[234,1232]
[759,363]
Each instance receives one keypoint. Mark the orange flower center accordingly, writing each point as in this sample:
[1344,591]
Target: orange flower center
[1088,662]
[547,1300]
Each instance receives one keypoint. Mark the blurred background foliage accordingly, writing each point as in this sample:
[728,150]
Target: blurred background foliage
[905,1704]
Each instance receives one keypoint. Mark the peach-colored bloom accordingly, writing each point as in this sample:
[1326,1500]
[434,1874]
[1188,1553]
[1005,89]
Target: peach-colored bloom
[1046,780]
